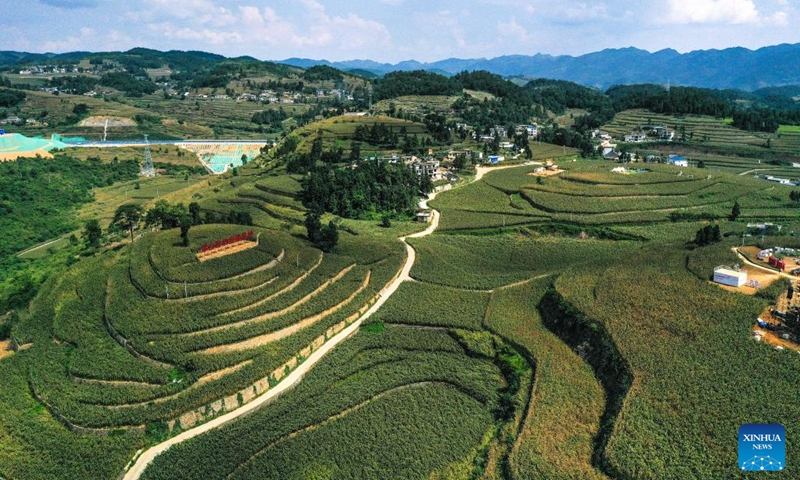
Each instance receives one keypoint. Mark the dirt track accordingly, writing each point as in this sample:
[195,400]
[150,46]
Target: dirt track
[295,376]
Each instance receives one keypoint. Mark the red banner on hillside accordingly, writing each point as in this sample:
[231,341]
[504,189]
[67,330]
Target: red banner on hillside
[239,237]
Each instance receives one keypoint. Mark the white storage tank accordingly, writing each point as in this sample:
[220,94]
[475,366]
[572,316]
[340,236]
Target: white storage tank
[730,277]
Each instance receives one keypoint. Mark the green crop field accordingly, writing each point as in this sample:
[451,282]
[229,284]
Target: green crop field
[554,327]
[715,135]
[255,315]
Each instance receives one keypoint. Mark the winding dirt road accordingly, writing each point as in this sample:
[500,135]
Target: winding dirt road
[293,378]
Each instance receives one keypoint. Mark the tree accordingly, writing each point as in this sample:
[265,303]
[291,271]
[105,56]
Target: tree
[313,225]
[329,237]
[707,235]
[460,161]
[80,109]
[701,164]
[185,224]
[165,214]
[386,221]
[425,184]
[735,211]
[355,152]
[701,237]
[194,211]
[92,233]
[128,217]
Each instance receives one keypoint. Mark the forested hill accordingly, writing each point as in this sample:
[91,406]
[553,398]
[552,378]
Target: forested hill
[736,68]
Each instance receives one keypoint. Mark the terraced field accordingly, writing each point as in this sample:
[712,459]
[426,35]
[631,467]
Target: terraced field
[197,339]
[589,197]
[651,359]
[710,131]
[552,329]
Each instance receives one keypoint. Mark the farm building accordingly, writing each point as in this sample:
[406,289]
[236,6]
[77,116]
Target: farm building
[424,216]
[730,277]
[678,161]
[636,137]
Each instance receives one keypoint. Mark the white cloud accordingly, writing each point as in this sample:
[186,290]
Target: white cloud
[712,11]
[583,11]
[779,18]
[312,26]
[71,3]
[72,43]
[513,30]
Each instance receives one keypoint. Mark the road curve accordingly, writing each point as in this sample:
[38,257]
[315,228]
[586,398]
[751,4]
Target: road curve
[141,463]
[746,260]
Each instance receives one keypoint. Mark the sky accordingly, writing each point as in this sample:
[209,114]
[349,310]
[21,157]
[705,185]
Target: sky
[394,30]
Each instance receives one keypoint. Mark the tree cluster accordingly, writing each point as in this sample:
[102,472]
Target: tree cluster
[132,86]
[419,82]
[11,98]
[327,237]
[38,197]
[305,162]
[673,101]
[273,118]
[78,84]
[369,190]
[321,73]
[707,236]
[757,120]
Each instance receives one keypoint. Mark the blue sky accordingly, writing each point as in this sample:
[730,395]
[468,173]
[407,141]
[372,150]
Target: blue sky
[394,30]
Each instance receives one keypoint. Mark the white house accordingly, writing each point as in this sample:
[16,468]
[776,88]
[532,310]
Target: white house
[636,137]
[678,161]
[730,277]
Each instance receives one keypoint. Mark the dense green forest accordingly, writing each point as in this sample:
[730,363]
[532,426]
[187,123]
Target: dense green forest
[371,189]
[38,200]
[10,98]
[132,86]
[38,197]
[419,82]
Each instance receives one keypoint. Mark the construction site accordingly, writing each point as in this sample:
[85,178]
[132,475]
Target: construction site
[217,156]
[14,146]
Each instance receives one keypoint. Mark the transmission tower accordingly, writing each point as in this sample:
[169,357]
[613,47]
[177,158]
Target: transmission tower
[148,170]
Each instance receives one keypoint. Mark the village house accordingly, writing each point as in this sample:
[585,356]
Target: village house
[636,137]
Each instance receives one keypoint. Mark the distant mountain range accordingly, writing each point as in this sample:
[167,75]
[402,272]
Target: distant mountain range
[732,68]
[735,68]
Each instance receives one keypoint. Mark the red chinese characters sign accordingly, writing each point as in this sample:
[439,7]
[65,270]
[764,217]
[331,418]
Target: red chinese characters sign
[239,237]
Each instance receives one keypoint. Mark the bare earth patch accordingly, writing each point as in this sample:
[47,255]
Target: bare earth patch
[763,277]
[213,376]
[227,250]
[5,349]
[278,313]
[288,331]
[100,121]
